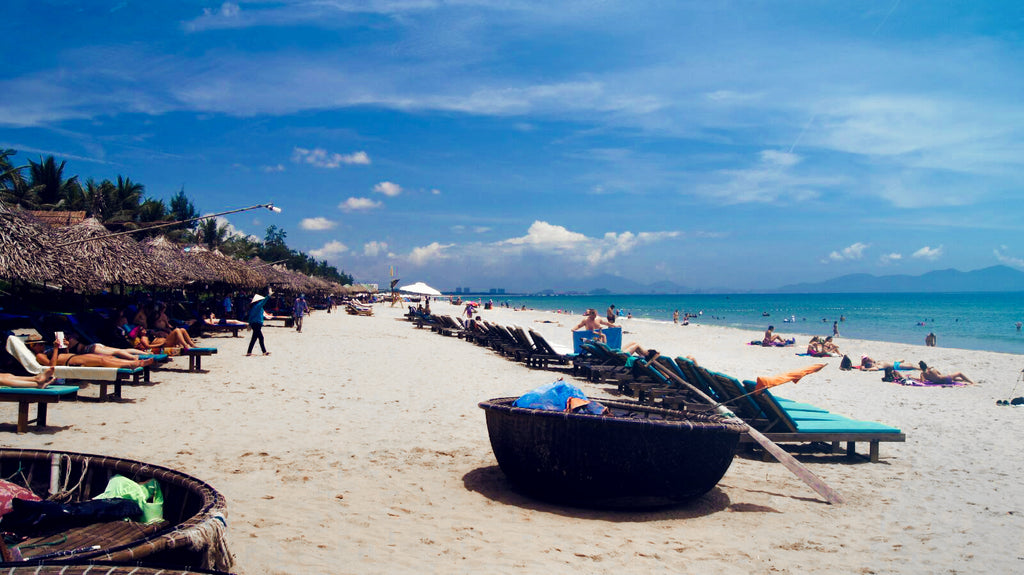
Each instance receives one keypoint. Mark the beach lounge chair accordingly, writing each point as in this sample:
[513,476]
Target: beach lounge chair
[195,356]
[817,428]
[24,397]
[102,376]
[546,353]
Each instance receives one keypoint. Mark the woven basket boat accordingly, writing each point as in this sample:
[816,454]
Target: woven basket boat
[192,534]
[639,457]
[100,568]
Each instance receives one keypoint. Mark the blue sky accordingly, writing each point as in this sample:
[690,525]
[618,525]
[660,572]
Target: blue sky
[518,144]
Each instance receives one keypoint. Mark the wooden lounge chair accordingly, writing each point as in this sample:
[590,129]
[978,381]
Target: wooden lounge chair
[833,430]
[101,376]
[25,396]
[546,353]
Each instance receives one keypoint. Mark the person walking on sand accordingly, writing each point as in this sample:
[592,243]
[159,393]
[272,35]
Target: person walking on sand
[835,329]
[256,323]
[611,314]
[675,316]
[299,311]
[929,339]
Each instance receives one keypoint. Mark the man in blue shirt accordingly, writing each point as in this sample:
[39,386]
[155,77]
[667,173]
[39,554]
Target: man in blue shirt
[300,310]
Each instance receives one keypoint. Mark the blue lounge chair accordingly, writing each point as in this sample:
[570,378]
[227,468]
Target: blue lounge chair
[25,396]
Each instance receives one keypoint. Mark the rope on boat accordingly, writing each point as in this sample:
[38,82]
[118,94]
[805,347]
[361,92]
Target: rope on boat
[64,494]
[210,539]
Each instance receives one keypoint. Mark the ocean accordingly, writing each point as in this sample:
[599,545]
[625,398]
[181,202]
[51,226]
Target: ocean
[981,321]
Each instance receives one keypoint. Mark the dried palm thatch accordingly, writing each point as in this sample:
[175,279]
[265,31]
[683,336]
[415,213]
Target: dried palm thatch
[111,260]
[184,269]
[27,253]
[219,268]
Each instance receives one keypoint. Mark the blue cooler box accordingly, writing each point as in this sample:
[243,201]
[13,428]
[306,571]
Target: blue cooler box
[614,335]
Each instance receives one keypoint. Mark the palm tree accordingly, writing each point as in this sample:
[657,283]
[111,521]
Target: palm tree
[13,189]
[48,184]
[122,201]
[212,234]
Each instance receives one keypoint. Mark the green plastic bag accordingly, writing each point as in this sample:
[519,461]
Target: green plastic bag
[148,496]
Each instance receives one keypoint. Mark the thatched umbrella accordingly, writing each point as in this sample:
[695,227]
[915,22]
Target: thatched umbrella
[27,253]
[224,269]
[184,269]
[111,260]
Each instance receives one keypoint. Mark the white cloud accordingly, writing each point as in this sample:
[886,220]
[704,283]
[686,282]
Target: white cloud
[435,192]
[851,252]
[481,229]
[321,158]
[547,238]
[1008,259]
[356,204]
[771,179]
[331,248]
[273,169]
[374,248]
[389,189]
[890,258]
[429,253]
[317,224]
[928,253]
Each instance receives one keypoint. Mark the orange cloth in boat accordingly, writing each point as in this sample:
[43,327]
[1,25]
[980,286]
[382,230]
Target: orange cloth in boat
[794,376]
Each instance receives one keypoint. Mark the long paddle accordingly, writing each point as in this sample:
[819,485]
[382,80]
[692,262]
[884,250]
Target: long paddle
[787,460]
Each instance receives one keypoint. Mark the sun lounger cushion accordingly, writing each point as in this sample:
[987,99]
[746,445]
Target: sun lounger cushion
[818,422]
[50,390]
[203,350]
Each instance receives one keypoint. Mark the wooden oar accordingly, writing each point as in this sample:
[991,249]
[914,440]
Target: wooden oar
[787,460]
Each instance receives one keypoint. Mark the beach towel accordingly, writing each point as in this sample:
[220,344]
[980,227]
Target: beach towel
[909,381]
[794,376]
[27,359]
[787,343]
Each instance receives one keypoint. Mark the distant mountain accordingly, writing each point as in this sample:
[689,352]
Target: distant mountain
[991,279]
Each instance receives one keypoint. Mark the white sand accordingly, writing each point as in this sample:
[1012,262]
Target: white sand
[358,447]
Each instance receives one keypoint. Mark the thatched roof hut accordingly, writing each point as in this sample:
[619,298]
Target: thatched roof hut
[111,260]
[27,253]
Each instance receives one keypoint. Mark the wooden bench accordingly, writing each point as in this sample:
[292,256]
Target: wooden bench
[41,397]
[225,328]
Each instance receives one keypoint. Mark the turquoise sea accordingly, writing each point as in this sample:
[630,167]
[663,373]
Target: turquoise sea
[982,321]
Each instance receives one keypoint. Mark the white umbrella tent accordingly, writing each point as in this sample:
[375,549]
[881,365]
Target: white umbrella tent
[419,288]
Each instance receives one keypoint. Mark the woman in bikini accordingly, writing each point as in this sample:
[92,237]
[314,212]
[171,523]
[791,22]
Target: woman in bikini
[52,356]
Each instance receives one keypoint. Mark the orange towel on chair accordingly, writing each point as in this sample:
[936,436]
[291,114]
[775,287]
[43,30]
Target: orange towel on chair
[794,376]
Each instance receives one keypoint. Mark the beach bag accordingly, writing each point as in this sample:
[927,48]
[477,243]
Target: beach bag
[846,364]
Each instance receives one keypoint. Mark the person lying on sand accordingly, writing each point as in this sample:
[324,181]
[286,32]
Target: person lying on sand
[869,364]
[213,320]
[933,375]
[52,356]
[39,381]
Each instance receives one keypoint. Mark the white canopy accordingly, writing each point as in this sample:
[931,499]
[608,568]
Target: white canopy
[419,288]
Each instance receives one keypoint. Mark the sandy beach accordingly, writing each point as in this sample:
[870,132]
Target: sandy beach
[358,447]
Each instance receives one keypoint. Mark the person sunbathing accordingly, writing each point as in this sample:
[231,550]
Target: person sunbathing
[213,320]
[814,346]
[772,338]
[828,347]
[78,347]
[178,337]
[52,356]
[869,364]
[933,375]
[39,381]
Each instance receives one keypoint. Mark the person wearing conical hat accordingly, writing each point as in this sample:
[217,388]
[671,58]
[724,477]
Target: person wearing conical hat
[255,319]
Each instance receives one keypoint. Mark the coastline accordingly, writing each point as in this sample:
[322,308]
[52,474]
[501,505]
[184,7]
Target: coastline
[358,447]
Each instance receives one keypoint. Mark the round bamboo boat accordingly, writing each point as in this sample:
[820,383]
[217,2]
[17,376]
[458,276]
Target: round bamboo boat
[638,456]
[101,568]
[192,534]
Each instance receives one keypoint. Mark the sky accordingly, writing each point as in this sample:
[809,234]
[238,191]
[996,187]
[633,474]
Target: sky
[730,145]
